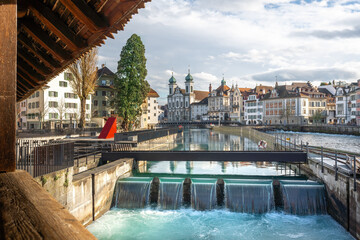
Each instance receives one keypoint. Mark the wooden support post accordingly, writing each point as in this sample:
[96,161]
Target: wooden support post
[8,45]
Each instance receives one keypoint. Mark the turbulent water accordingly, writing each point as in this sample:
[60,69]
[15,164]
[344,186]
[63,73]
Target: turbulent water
[147,224]
[336,141]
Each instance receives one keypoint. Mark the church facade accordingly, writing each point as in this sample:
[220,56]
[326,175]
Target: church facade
[179,100]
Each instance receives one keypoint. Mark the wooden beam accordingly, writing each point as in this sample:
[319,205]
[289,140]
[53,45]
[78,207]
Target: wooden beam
[24,83]
[47,59]
[82,11]
[42,37]
[37,77]
[8,43]
[28,211]
[26,77]
[19,86]
[33,62]
[56,25]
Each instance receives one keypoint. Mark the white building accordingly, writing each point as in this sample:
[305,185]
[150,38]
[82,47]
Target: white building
[199,110]
[55,105]
[346,104]
[253,110]
[179,100]
[153,108]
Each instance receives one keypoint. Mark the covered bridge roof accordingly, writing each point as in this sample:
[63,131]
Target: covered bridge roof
[53,33]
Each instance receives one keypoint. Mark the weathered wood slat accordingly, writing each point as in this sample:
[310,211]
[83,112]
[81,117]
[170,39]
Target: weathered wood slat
[27,211]
[33,62]
[8,43]
[26,42]
[56,25]
[37,33]
[85,14]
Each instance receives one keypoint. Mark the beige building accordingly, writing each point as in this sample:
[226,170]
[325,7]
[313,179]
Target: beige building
[149,111]
[298,103]
[102,96]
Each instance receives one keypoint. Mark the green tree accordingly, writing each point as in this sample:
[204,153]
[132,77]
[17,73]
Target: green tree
[130,84]
[317,116]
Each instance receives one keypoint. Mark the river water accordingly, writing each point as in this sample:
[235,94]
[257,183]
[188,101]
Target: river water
[348,143]
[153,223]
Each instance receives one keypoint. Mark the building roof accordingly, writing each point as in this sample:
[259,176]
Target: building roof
[200,95]
[153,93]
[243,90]
[52,34]
[104,71]
[189,78]
[172,79]
[202,102]
[262,89]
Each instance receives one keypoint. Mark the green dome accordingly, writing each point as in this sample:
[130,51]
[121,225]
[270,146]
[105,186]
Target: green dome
[172,80]
[189,78]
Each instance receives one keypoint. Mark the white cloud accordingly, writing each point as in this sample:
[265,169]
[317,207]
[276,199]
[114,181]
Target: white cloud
[249,41]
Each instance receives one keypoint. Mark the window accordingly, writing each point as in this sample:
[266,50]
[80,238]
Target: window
[37,104]
[53,94]
[53,115]
[37,94]
[70,105]
[29,105]
[104,103]
[95,103]
[103,82]
[169,90]
[191,88]
[187,88]
[154,114]
[68,76]
[63,84]
[87,106]
[53,104]
[148,118]
[96,93]
[33,105]
[104,113]
[103,93]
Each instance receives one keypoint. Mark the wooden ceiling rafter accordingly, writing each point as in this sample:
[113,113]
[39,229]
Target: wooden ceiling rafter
[42,38]
[33,62]
[25,77]
[56,25]
[54,33]
[85,14]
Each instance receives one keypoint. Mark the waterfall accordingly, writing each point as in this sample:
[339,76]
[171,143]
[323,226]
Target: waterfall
[303,197]
[170,193]
[249,196]
[132,192]
[203,194]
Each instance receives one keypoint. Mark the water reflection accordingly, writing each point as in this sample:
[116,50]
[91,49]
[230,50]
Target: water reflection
[206,140]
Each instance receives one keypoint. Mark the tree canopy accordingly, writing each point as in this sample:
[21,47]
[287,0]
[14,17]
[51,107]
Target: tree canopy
[130,84]
[83,80]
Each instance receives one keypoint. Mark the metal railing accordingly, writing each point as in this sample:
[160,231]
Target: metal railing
[43,157]
[337,156]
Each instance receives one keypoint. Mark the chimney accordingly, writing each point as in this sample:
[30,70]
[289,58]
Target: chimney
[210,87]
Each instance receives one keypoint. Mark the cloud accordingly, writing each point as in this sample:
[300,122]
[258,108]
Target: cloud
[317,74]
[345,33]
[250,42]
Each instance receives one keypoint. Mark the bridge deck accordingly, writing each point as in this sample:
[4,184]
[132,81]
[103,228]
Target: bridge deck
[228,156]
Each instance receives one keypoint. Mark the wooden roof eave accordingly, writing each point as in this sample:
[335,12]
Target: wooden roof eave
[47,45]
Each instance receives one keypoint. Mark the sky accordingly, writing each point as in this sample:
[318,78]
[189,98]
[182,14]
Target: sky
[246,42]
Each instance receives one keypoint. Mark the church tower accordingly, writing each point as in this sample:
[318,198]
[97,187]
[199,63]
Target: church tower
[172,84]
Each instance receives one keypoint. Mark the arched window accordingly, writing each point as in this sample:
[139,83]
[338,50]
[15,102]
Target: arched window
[169,90]
[187,89]
[177,103]
[192,89]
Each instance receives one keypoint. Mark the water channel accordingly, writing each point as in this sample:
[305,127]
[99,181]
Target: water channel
[244,209]
[348,143]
